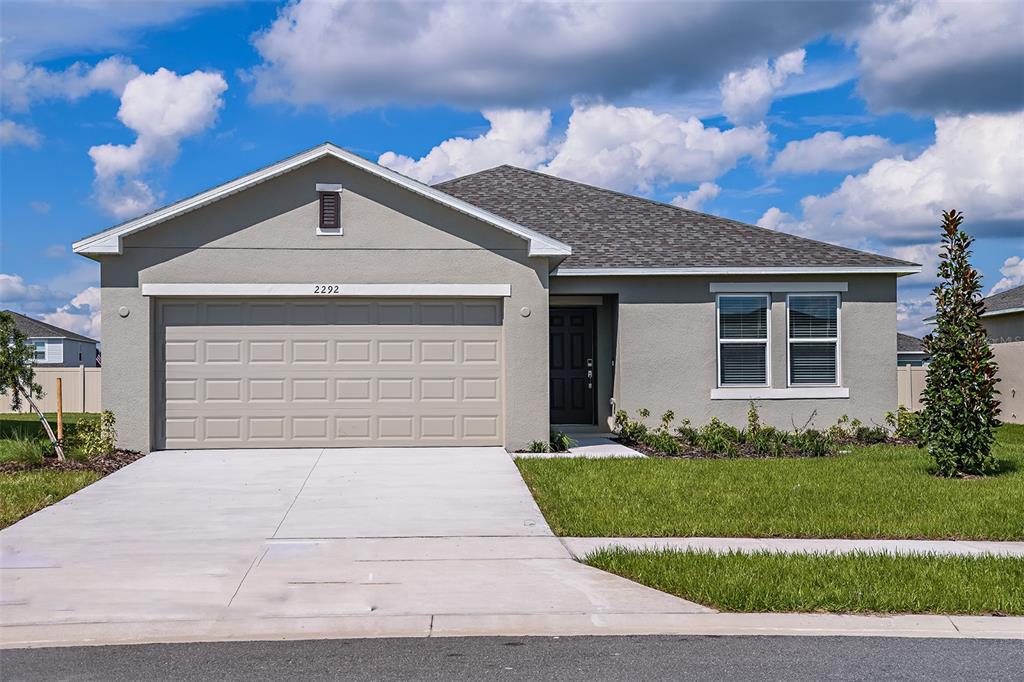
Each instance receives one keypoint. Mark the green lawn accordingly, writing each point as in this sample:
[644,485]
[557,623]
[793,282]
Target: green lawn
[852,583]
[29,425]
[25,492]
[872,492]
[23,440]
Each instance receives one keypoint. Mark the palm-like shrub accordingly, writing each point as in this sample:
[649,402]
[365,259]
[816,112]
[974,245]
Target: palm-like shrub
[960,405]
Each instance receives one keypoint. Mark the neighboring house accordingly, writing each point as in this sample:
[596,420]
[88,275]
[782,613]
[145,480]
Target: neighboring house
[56,347]
[910,351]
[1004,322]
[328,301]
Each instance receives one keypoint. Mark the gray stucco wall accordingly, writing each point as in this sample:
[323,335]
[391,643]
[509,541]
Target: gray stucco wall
[1006,334]
[267,234]
[666,348]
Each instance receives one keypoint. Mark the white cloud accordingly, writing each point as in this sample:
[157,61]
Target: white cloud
[55,251]
[12,133]
[911,313]
[162,108]
[1013,275]
[974,165]
[747,95]
[636,149]
[34,29]
[81,314]
[517,137]
[40,207]
[14,291]
[935,58]
[830,150]
[624,148]
[347,55]
[698,197]
[25,84]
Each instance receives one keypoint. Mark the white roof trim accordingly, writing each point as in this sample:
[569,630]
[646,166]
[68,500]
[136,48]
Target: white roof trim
[1007,311]
[327,290]
[109,241]
[823,270]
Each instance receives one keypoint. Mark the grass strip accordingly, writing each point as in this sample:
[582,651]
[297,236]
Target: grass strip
[835,583]
[26,492]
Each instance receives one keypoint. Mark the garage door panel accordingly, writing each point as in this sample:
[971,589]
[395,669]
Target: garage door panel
[252,374]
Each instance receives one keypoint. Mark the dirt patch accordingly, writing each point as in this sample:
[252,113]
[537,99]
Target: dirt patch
[107,464]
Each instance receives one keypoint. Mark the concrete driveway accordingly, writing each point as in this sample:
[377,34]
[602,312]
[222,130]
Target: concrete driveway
[261,544]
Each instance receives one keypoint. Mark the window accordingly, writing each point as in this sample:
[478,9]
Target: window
[40,348]
[743,328]
[813,339]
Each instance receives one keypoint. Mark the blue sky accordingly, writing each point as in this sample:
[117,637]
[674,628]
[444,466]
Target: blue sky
[847,122]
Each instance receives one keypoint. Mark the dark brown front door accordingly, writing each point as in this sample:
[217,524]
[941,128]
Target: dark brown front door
[573,359]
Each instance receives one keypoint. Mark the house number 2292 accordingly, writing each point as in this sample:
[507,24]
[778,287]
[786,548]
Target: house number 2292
[326,289]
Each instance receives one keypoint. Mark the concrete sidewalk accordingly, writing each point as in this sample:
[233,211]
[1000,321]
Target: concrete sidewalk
[581,547]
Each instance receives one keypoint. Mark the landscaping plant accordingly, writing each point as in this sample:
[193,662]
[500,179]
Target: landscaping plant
[960,405]
[18,375]
[94,437]
[561,442]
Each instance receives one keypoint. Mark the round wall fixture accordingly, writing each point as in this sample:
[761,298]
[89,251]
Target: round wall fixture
[524,311]
[123,311]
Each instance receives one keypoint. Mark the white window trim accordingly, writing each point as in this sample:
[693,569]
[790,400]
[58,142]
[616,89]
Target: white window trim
[46,350]
[767,342]
[801,393]
[837,340]
[332,188]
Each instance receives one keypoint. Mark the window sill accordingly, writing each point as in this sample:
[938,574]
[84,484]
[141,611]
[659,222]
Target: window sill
[808,393]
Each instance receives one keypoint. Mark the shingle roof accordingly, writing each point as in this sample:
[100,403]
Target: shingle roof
[1010,299]
[609,229]
[33,328]
[905,343]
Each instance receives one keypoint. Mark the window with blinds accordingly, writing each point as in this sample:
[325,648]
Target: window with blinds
[813,339]
[743,340]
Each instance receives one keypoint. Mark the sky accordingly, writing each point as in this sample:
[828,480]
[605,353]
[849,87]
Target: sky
[853,123]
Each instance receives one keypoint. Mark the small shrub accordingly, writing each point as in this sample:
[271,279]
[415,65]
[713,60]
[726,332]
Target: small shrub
[630,430]
[871,435]
[687,433]
[561,442]
[538,446]
[768,441]
[662,441]
[906,425]
[812,443]
[93,437]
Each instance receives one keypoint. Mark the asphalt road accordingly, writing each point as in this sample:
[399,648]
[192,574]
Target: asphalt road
[532,658]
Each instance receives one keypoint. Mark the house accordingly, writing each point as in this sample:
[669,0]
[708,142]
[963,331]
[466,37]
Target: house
[1003,320]
[56,347]
[910,351]
[328,301]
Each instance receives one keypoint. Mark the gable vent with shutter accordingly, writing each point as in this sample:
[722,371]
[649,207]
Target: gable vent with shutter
[330,209]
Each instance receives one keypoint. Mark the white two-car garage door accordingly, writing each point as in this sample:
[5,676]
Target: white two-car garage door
[329,372]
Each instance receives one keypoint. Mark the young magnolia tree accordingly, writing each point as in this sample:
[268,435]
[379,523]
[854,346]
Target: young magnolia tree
[960,405]
[18,375]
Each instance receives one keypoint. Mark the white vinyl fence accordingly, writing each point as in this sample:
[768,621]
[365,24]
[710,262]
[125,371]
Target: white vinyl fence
[81,390]
[910,381]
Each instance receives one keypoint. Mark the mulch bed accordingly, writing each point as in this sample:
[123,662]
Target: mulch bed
[101,465]
[691,452]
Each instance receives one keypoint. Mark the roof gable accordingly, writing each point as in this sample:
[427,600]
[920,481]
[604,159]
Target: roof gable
[109,241]
[37,329]
[615,233]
